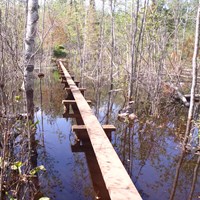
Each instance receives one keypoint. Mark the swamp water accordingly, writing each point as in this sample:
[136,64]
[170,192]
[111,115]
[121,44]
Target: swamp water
[150,151]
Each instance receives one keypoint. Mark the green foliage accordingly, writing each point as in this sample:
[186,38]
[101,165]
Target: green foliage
[10,197]
[17,166]
[18,98]
[32,125]
[61,47]
[56,75]
[37,169]
[0,162]
[59,51]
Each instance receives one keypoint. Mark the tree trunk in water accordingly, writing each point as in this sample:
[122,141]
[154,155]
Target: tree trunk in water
[194,77]
[31,29]
[191,108]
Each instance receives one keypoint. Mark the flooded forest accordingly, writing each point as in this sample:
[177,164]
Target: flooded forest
[138,61]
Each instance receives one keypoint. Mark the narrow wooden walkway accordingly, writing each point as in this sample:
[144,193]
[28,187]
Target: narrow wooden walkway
[116,178]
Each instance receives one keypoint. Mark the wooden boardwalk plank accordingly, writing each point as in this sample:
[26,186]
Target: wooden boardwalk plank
[69,102]
[71,115]
[76,82]
[69,89]
[80,131]
[83,127]
[116,178]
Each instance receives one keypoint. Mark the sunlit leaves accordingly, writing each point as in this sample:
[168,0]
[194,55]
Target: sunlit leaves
[17,166]
[37,169]
[17,98]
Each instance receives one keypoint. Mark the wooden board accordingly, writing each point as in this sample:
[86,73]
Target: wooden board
[71,115]
[69,102]
[82,134]
[116,178]
[83,127]
[65,81]
[80,89]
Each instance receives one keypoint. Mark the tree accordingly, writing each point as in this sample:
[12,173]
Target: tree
[191,108]
[134,24]
[112,52]
[31,29]
[194,75]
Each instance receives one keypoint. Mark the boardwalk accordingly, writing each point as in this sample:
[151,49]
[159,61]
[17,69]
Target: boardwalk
[117,180]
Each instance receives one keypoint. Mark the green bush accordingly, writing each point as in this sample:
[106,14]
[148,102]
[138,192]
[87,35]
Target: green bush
[59,51]
[61,47]
[56,75]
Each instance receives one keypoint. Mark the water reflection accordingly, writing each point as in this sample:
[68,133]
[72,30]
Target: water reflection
[82,144]
[100,191]
[150,150]
[67,175]
[194,180]
[186,173]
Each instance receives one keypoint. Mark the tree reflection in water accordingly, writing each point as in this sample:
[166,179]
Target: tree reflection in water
[66,174]
[150,149]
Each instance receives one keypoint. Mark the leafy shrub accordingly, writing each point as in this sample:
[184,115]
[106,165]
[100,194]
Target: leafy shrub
[59,51]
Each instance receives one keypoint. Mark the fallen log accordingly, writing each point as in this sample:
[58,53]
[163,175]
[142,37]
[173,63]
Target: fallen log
[196,97]
[180,96]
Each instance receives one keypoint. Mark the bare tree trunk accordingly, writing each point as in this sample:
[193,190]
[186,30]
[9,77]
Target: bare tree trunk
[194,77]
[100,58]
[84,52]
[31,29]
[133,49]
[191,108]
[176,26]
[112,9]
[81,62]
[140,38]
[43,28]
[2,62]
